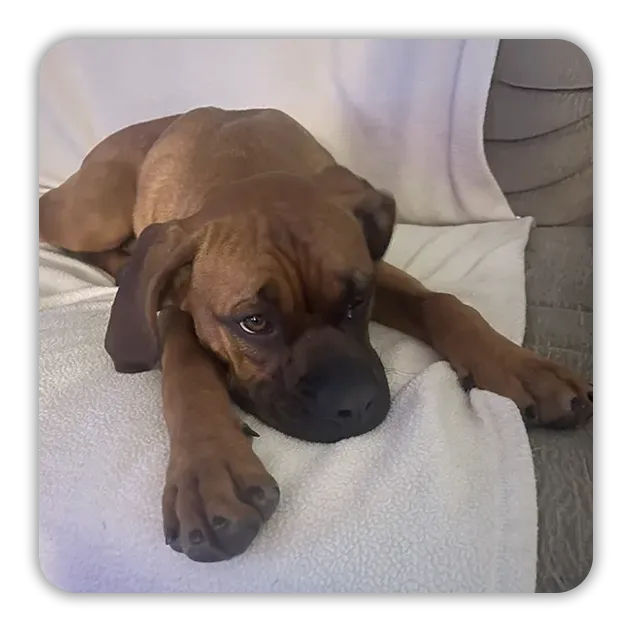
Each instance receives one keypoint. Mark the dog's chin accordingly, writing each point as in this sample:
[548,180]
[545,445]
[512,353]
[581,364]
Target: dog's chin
[295,420]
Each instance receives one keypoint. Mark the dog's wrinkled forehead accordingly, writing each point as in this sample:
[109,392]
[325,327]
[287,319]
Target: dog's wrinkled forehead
[254,256]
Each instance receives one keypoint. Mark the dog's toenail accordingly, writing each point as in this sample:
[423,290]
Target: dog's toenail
[249,432]
[467,383]
[170,536]
[196,536]
[577,404]
[530,412]
[219,522]
[590,397]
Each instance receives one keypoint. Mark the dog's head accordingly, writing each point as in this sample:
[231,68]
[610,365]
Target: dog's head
[278,275]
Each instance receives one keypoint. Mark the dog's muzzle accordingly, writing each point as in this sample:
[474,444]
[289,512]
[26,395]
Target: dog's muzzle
[334,388]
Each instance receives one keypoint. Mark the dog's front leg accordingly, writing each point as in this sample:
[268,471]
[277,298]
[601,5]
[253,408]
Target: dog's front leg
[546,393]
[217,492]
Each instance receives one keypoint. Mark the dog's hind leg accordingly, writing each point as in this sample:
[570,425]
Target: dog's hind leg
[90,214]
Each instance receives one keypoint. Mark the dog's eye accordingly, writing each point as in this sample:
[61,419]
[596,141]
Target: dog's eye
[255,324]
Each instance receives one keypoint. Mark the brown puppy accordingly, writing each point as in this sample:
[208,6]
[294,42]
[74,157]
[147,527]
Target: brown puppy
[262,256]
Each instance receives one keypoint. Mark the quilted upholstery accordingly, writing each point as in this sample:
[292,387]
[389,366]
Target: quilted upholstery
[538,130]
[543,63]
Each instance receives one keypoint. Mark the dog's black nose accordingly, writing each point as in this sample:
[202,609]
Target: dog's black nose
[353,405]
[344,397]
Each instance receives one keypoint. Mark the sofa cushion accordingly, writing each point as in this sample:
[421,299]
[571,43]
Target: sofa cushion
[559,326]
[543,64]
[559,286]
[530,163]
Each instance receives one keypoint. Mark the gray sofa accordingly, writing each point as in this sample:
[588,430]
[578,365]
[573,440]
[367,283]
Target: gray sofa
[538,142]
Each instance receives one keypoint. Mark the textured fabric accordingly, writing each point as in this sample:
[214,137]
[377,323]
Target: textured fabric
[584,220]
[558,204]
[538,130]
[563,465]
[516,113]
[543,160]
[543,63]
[439,498]
[405,114]
[559,271]
[559,325]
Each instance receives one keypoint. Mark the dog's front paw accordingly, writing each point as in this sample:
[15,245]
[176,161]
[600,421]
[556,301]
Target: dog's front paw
[548,394]
[215,500]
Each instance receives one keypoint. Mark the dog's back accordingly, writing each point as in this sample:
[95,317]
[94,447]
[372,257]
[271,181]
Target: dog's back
[209,147]
[163,169]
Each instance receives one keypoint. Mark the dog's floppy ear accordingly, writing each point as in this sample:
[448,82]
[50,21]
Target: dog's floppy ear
[375,210]
[131,339]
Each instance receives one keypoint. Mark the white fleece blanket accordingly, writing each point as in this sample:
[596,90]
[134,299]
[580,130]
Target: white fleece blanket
[439,498]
